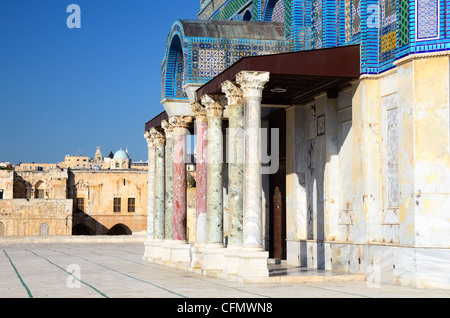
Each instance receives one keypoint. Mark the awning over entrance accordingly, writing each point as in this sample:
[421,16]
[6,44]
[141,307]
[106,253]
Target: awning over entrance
[295,77]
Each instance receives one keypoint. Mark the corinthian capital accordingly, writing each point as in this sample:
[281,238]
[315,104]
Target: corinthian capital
[149,138]
[168,128]
[200,112]
[180,124]
[233,93]
[252,83]
[214,104]
[158,137]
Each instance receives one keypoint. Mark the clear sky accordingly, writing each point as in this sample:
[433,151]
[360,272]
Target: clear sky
[67,91]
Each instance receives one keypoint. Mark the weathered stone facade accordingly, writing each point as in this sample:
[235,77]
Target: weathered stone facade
[35,203]
[108,201]
[78,202]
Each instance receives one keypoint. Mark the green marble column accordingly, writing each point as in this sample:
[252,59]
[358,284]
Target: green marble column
[168,226]
[235,161]
[214,106]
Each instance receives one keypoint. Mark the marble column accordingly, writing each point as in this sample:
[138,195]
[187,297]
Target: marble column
[201,127]
[168,226]
[150,193]
[253,256]
[201,124]
[180,249]
[159,207]
[213,254]
[159,195]
[214,108]
[235,175]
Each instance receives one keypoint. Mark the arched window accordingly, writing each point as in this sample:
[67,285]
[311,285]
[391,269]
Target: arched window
[39,191]
[175,70]
[119,229]
[43,231]
[247,16]
[275,11]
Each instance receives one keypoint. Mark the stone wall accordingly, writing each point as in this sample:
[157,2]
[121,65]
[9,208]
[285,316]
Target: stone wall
[22,217]
[367,192]
[98,188]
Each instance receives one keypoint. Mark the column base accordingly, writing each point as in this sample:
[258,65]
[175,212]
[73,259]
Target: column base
[153,250]
[147,250]
[253,263]
[232,260]
[213,258]
[176,254]
[197,258]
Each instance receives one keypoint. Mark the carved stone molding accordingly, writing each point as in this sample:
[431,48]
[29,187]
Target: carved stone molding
[168,128]
[214,104]
[158,137]
[149,138]
[180,124]
[252,83]
[200,112]
[233,93]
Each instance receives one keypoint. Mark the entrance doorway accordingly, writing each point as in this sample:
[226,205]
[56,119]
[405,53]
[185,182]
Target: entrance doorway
[277,190]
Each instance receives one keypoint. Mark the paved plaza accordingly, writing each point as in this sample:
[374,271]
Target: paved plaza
[116,270]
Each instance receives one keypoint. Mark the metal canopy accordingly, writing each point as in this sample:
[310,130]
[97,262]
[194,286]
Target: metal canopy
[302,74]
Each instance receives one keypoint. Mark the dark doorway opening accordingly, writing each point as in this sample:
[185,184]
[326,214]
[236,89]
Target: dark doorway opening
[119,229]
[277,188]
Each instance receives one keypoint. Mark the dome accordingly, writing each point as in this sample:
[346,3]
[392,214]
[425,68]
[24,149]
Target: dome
[121,154]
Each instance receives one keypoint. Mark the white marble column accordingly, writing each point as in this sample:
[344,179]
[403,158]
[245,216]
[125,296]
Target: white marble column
[253,256]
[151,194]
[159,193]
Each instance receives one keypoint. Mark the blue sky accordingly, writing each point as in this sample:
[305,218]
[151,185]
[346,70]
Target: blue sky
[67,91]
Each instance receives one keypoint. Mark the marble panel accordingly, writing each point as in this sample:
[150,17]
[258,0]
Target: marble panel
[433,268]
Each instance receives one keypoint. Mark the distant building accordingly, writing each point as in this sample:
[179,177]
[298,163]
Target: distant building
[35,166]
[80,196]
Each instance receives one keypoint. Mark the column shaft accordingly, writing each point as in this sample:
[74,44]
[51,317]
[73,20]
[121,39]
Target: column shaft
[215,179]
[235,162]
[201,183]
[168,226]
[159,207]
[151,185]
[179,188]
[214,107]
[252,84]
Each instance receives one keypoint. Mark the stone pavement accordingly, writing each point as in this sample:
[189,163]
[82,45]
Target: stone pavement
[116,270]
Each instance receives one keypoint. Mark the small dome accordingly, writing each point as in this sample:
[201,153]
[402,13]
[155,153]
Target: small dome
[121,154]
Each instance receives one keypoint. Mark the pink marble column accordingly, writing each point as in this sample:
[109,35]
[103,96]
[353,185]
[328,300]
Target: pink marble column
[179,191]
[201,125]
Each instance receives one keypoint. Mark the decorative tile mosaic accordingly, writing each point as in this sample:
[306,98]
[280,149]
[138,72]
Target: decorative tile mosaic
[403,22]
[348,20]
[356,17]
[427,19]
[388,32]
[207,58]
[278,14]
[403,26]
[317,25]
